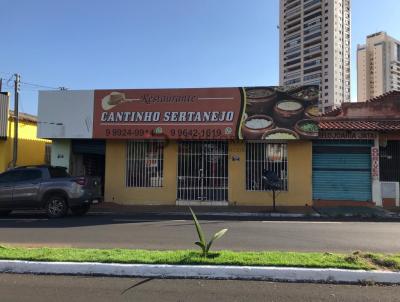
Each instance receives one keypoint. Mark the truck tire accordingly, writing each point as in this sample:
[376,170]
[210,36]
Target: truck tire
[56,206]
[80,210]
[5,212]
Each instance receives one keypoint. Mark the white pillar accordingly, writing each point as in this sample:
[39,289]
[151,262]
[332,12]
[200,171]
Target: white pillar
[61,153]
[376,184]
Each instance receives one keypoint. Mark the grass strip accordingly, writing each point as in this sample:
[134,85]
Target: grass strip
[356,260]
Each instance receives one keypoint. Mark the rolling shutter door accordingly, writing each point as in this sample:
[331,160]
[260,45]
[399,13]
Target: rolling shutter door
[4,99]
[342,170]
[88,147]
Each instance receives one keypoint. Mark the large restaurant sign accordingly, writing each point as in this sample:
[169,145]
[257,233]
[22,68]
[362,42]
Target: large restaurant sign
[268,113]
[175,113]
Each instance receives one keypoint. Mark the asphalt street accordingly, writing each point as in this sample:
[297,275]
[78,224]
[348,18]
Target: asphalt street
[135,231]
[68,288]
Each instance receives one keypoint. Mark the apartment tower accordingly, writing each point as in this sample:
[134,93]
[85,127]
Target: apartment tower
[315,47]
[378,66]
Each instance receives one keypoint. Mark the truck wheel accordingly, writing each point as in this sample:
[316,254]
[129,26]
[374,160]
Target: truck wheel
[56,206]
[80,210]
[5,213]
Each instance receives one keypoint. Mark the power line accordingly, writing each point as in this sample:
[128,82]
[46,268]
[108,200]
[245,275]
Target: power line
[6,73]
[41,86]
[30,89]
[6,82]
[10,77]
[9,80]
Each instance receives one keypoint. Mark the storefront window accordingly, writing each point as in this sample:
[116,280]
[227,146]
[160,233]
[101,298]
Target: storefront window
[262,156]
[144,164]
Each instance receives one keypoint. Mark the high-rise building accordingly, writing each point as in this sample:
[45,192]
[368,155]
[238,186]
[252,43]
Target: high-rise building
[378,66]
[315,47]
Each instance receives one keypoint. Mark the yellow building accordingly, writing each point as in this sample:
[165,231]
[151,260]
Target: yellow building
[174,175]
[31,150]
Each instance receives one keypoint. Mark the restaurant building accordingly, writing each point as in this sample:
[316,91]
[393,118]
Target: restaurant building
[206,146]
[211,146]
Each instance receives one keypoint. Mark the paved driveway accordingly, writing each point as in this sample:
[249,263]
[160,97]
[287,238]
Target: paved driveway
[135,231]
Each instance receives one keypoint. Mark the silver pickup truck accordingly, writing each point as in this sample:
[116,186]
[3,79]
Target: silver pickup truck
[47,187]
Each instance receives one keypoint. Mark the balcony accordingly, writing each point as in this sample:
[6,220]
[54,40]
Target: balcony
[317,16]
[313,69]
[312,63]
[312,50]
[292,63]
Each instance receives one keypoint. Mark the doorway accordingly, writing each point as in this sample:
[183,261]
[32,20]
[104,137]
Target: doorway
[202,171]
[88,159]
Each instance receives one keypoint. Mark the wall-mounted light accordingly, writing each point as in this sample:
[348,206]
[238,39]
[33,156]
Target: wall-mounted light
[235,158]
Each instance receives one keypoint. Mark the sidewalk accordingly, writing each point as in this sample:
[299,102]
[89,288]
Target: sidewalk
[248,211]
[355,212]
[228,211]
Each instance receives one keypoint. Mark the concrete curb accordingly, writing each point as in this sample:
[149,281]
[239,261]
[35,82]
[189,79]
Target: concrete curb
[230,214]
[201,272]
[265,215]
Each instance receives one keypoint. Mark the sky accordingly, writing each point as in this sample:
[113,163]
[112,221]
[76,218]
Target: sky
[155,43]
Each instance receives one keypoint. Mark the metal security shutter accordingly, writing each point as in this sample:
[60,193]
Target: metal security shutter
[4,99]
[88,146]
[342,170]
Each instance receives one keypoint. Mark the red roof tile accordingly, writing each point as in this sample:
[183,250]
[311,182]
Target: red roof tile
[392,93]
[24,117]
[337,111]
[360,125]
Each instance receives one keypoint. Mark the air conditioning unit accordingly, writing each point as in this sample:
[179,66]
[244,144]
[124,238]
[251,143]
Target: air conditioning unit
[390,190]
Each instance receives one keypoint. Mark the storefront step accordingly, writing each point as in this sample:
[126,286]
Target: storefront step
[201,203]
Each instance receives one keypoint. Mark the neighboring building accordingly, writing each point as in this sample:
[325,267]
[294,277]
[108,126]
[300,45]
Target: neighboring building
[31,150]
[356,160]
[378,66]
[315,48]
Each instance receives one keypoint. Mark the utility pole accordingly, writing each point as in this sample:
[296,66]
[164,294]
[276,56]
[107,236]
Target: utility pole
[16,119]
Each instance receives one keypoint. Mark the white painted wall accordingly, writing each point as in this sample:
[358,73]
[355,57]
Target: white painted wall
[376,184]
[61,153]
[390,189]
[66,114]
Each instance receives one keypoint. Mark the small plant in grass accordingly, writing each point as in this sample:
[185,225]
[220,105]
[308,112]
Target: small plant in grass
[202,243]
[352,258]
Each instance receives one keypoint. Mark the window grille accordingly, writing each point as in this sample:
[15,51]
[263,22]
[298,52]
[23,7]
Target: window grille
[390,161]
[261,156]
[144,164]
